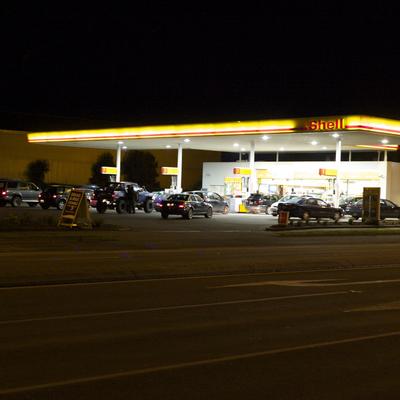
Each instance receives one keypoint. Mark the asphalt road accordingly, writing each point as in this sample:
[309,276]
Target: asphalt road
[328,334]
[200,309]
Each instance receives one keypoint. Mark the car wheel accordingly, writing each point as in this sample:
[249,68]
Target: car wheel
[305,216]
[209,213]
[189,214]
[148,206]
[16,201]
[44,206]
[101,207]
[164,215]
[60,205]
[32,204]
[121,206]
[337,216]
[226,210]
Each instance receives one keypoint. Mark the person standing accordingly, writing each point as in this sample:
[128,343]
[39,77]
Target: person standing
[130,199]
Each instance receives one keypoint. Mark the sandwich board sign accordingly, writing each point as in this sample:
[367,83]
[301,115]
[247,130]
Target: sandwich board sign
[371,205]
[75,211]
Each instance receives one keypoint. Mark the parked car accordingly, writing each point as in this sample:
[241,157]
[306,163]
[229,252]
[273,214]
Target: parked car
[113,196]
[16,192]
[348,201]
[388,209]
[259,202]
[158,197]
[310,207]
[54,195]
[273,209]
[185,204]
[218,203]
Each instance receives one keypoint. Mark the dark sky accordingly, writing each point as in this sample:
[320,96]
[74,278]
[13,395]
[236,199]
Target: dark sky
[154,66]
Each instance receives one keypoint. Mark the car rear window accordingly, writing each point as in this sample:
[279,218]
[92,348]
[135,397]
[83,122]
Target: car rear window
[182,197]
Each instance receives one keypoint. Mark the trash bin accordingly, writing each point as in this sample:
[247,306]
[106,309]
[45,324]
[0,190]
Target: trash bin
[283,218]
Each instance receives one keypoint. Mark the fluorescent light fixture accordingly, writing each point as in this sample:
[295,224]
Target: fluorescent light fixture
[243,149]
[314,142]
[384,141]
[265,137]
[324,148]
[335,135]
[168,146]
[120,142]
[124,147]
[235,144]
[281,148]
[186,140]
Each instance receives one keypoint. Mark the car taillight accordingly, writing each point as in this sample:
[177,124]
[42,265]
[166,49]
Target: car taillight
[4,192]
[54,196]
[181,205]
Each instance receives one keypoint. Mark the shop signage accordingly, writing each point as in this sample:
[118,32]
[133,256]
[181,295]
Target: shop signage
[323,125]
[327,172]
[75,211]
[229,179]
[371,205]
[242,171]
[109,170]
[169,171]
[262,173]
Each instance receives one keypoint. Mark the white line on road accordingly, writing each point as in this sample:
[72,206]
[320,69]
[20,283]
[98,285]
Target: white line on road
[308,283]
[169,308]
[192,277]
[191,364]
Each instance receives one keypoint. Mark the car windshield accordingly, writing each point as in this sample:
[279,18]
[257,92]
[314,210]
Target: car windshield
[292,199]
[182,197]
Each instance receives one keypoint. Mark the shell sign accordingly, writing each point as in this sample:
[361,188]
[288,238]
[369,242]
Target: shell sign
[169,171]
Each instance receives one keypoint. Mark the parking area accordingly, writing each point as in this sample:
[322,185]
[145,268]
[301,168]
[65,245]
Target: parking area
[143,222]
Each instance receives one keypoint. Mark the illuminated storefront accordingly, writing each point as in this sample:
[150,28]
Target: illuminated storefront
[334,133]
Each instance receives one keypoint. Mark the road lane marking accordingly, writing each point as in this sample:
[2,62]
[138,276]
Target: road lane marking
[191,364]
[307,283]
[394,305]
[179,278]
[170,308]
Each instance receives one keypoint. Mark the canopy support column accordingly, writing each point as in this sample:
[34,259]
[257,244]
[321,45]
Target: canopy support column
[179,165]
[253,177]
[118,177]
[338,165]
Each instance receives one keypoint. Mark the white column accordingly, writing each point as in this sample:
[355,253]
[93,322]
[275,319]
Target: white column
[179,165]
[384,177]
[118,177]
[253,176]
[338,165]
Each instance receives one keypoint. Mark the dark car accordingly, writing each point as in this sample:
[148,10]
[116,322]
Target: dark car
[259,202]
[387,207]
[186,205]
[310,207]
[348,201]
[218,203]
[114,196]
[54,195]
[16,192]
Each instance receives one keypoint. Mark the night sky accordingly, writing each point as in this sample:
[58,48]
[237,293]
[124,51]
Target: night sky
[135,66]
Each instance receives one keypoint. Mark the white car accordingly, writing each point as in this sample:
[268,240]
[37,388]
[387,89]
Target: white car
[273,210]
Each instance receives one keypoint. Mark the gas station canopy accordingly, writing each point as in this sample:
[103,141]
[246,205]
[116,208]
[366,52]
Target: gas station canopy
[356,132]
